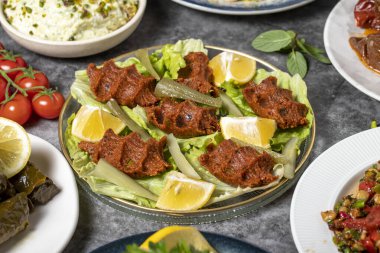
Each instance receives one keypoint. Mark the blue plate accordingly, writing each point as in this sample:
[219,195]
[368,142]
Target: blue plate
[221,243]
[242,8]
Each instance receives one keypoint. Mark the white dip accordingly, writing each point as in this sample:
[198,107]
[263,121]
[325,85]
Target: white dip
[68,20]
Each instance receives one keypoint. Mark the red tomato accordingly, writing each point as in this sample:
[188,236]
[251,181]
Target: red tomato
[367,186]
[3,86]
[368,245]
[21,62]
[1,46]
[48,106]
[8,65]
[375,236]
[28,82]
[18,109]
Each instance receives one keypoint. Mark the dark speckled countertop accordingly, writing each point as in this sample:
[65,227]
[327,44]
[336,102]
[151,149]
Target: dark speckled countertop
[340,109]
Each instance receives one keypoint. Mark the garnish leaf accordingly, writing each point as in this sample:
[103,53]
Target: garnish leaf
[272,41]
[287,42]
[314,52]
[297,64]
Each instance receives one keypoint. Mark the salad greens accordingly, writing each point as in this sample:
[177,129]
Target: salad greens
[160,247]
[167,61]
[170,59]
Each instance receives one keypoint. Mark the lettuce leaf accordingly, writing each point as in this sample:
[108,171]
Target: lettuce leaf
[284,80]
[168,60]
[83,165]
[103,187]
[236,94]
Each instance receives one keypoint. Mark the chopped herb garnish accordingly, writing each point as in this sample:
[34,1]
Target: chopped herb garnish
[68,2]
[85,14]
[42,3]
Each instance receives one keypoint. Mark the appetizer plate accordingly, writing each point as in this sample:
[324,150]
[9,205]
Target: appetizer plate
[243,7]
[332,175]
[219,211]
[340,26]
[221,243]
[52,225]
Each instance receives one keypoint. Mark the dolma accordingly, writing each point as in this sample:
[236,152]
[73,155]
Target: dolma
[39,188]
[6,188]
[14,214]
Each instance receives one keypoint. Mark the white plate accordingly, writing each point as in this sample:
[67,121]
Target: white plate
[238,9]
[323,183]
[51,226]
[340,26]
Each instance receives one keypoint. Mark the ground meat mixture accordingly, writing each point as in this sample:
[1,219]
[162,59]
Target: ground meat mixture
[129,154]
[126,85]
[197,74]
[183,119]
[269,101]
[238,166]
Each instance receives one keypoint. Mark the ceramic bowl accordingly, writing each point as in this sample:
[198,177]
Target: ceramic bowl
[73,49]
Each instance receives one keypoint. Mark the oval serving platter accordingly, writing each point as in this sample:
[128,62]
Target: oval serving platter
[216,212]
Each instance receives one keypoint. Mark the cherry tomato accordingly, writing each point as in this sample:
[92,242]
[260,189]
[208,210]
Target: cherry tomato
[28,82]
[3,86]
[18,109]
[21,62]
[8,65]
[48,106]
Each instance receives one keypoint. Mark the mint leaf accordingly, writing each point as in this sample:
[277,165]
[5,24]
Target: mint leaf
[292,34]
[315,52]
[272,41]
[297,64]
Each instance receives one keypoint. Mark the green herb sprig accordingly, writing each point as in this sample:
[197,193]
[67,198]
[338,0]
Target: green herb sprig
[296,48]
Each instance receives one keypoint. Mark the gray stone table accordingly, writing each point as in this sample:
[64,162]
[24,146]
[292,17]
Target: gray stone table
[341,110]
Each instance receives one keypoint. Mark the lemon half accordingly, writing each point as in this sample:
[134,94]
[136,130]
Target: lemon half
[172,235]
[91,123]
[181,193]
[15,147]
[233,67]
[253,130]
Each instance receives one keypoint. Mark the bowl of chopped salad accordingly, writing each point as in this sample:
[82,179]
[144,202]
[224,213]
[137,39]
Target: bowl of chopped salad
[355,219]
[167,134]
[335,207]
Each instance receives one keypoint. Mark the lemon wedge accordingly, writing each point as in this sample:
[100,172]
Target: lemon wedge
[181,193]
[253,130]
[15,147]
[233,67]
[172,235]
[91,123]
